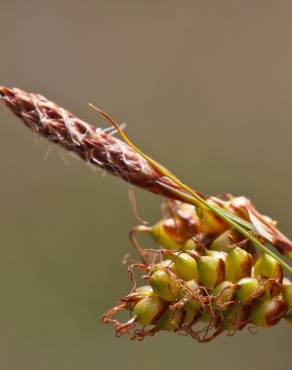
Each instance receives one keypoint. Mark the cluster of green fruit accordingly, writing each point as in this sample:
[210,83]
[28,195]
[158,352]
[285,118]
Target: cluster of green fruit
[207,280]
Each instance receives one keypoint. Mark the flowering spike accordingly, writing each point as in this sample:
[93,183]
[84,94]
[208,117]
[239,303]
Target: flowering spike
[207,272]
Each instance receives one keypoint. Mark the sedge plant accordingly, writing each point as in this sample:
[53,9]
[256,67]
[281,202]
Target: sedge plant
[213,270]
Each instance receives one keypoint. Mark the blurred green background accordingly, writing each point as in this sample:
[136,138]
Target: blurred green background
[205,87]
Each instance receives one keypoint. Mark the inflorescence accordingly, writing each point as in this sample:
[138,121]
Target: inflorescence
[211,271]
[202,280]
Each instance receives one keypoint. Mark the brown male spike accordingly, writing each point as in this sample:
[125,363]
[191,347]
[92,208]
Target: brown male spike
[91,144]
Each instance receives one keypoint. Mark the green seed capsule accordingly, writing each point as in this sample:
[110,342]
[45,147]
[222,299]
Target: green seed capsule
[145,290]
[163,235]
[186,267]
[164,284]
[173,233]
[193,304]
[224,241]
[216,254]
[189,244]
[287,293]
[192,285]
[211,271]
[268,267]
[192,307]
[210,223]
[190,315]
[247,288]
[224,293]
[206,317]
[148,309]
[171,321]
[238,264]
[268,312]
[162,265]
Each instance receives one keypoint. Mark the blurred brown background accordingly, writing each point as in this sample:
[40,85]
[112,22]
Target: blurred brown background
[206,88]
